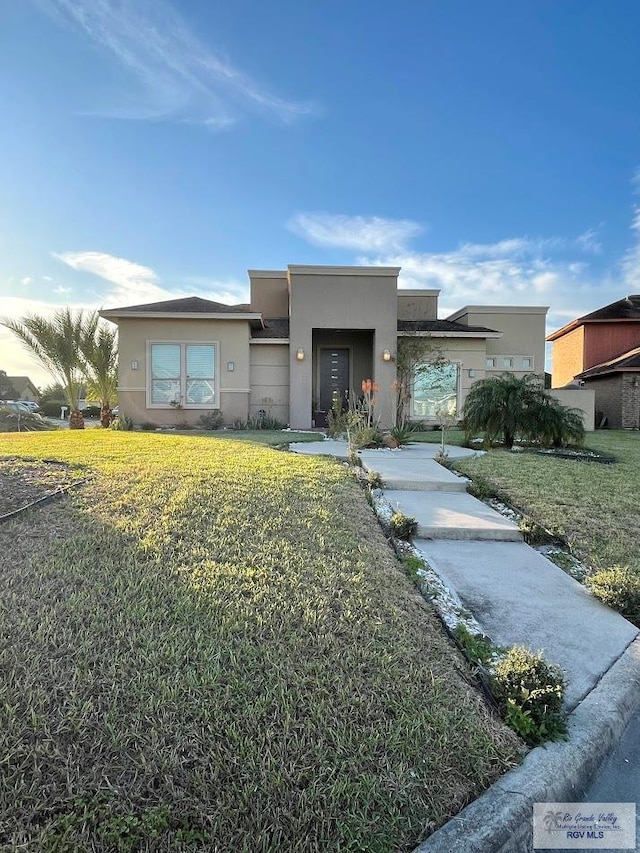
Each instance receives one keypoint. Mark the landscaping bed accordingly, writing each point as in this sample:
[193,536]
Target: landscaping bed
[211,646]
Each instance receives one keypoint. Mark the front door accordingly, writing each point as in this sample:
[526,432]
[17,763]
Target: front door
[334,377]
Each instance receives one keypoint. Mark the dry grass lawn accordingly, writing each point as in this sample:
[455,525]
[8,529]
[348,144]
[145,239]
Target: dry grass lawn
[210,646]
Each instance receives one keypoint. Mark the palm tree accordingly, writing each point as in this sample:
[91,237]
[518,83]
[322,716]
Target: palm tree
[56,345]
[99,352]
[501,405]
[508,405]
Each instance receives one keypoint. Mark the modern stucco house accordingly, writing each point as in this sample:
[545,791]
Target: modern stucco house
[309,333]
[601,351]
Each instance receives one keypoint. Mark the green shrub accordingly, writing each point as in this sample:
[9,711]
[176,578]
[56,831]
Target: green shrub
[122,424]
[402,434]
[368,436]
[403,526]
[11,421]
[412,566]
[530,692]
[374,480]
[51,409]
[337,419]
[211,420]
[478,648]
[619,587]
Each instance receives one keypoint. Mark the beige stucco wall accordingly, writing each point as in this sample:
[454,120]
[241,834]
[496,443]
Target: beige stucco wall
[418,304]
[340,298]
[523,334]
[269,292]
[269,380]
[567,357]
[232,337]
[579,398]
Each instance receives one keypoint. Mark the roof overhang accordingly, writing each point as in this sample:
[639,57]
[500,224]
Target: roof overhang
[480,335]
[116,314]
[269,341]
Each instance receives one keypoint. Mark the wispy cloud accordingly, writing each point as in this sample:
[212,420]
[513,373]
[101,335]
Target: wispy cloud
[631,260]
[131,283]
[176,75]
[589,241]
[361,233]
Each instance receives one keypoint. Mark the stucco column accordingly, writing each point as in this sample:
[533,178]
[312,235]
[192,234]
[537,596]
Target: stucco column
[300,379]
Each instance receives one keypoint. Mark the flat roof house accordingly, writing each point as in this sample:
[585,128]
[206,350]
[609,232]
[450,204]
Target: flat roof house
[308,334]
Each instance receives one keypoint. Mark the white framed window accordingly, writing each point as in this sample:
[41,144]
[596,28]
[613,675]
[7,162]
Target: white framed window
[182,375]
[490,363]
[507,362]
[527,363]
[435,390]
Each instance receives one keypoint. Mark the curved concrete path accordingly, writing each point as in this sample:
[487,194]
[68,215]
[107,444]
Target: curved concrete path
[519,598]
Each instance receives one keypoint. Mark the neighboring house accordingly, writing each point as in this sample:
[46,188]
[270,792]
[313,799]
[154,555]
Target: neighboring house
[17,388]
[310,333]
[601,352]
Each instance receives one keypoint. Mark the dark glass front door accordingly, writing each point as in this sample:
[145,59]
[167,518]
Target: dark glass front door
[334,377]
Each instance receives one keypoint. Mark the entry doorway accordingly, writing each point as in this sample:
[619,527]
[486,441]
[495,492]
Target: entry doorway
[334,376]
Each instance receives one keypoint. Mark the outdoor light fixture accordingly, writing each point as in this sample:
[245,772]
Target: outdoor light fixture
[300,354]
[134,364]
[386,355]
[231,366]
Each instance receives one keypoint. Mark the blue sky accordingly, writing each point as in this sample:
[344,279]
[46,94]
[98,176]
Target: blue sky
[154,148]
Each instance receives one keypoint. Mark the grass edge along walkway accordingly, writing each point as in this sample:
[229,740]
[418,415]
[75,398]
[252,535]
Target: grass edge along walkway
[212,644]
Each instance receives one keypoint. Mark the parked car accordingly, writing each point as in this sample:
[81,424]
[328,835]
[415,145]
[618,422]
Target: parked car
[33,406]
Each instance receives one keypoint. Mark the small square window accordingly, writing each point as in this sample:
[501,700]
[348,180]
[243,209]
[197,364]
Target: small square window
[507,362]
[527,363]
[491,362]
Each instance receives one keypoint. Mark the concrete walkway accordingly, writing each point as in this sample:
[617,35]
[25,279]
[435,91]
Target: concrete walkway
[516,595]
[519,597]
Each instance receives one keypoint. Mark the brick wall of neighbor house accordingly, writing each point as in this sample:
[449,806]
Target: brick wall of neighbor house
[523,331]
[418,304]
[232,337]
[269,379]
[568,357]
[630,393]
[603,341]
[608,394]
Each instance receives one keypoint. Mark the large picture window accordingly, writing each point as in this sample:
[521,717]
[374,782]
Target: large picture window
[183,374]
[435,390]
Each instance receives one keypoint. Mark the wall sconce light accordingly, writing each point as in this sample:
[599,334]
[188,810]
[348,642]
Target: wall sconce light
[231,366]
[134,364]
[300,354]
[472,372]
[386,355]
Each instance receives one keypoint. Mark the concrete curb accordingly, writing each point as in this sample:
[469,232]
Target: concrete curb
[500,821]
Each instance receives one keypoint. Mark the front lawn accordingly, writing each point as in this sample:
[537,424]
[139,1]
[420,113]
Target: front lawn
[596,507]
[210,646]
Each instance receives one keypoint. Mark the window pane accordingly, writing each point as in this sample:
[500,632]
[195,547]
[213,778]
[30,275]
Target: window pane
[200,392]
[435,391]
[165,361]
[526,362]
[506,362]
[165,390]
[200,361]
[491,362]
